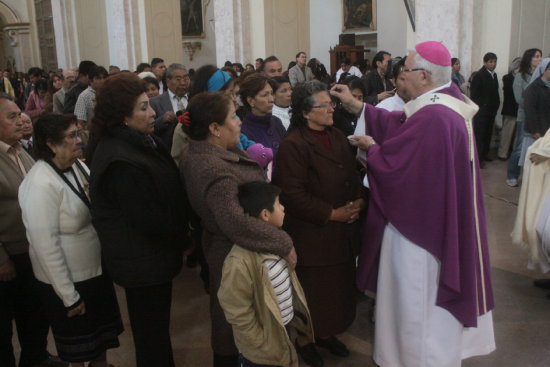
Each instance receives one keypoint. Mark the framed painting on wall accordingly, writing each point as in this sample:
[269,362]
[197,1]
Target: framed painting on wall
[359,15]
[192,19]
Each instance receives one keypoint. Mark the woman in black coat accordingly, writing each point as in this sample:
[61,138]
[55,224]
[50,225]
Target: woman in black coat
[139,211]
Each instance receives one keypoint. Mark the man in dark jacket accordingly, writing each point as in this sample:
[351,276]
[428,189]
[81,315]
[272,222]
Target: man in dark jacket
[72,95]
[377,83]
[484,92]
[509,111]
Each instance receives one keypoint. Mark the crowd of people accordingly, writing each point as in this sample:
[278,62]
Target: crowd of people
[291,190]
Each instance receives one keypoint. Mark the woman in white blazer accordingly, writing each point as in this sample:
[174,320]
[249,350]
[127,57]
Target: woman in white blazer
[64,248]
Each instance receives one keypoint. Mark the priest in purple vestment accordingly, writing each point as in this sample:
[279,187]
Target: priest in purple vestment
[425,249]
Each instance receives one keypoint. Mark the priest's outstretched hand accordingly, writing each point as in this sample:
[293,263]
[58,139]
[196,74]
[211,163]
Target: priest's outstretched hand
[349,102]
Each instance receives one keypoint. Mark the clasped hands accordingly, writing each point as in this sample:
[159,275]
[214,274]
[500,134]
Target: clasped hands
[348,213]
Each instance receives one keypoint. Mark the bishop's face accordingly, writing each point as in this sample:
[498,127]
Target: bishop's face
[411,78]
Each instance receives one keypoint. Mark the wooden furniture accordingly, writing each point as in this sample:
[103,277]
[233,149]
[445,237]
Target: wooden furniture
[339,52]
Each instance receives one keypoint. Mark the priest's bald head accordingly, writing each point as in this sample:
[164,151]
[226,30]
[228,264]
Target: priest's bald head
[427,67]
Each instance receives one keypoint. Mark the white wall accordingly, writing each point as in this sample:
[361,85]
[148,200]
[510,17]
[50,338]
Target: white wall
[325,19]
[394,29]
[495,35]
[257,30]
[207,53]
[530,26]
[393,24]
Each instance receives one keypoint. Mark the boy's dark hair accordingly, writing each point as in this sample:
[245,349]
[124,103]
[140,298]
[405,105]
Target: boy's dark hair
[141,67]
[489,56]
[257,196]
[85,66]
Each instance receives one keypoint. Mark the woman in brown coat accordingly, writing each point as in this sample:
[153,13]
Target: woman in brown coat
[212,168]
[321,191]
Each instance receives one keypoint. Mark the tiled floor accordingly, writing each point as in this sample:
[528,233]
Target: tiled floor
[521,316]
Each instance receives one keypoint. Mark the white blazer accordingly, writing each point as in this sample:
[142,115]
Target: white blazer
[63,244]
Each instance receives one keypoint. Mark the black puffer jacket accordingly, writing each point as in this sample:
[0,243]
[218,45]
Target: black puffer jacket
[139,209]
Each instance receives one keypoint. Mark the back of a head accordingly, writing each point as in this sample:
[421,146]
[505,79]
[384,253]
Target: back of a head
[141,67]
[256,196]
[41,85]
[200,81]
[85,66]
[97,71]
[35,71]
[204,109]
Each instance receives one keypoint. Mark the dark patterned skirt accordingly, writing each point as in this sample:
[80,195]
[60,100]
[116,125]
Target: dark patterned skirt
[84,337]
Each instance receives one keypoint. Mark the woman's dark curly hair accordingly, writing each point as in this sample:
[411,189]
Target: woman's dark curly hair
[251,86]
[204,109]
[303,100]
[50,128]
[115,101]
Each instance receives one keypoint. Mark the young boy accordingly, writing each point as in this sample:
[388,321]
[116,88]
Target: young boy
[260,296]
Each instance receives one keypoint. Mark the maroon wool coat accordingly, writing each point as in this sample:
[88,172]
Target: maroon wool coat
[315,180]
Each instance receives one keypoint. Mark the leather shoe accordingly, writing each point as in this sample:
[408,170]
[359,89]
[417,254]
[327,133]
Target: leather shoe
[334,346]
[542,283]
[310,355]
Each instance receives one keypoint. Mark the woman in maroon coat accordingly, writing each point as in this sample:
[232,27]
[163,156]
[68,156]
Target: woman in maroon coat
[321,191]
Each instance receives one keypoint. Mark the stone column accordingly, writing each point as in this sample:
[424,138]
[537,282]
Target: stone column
[450,22]
[232,30]
[66,34]
[20,43]
[123,23]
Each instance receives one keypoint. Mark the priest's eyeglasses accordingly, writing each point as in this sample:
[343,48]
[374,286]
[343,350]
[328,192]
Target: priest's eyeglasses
[416,69]
[326,105]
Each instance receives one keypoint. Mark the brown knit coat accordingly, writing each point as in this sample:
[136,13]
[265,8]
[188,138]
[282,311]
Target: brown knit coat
[212,176]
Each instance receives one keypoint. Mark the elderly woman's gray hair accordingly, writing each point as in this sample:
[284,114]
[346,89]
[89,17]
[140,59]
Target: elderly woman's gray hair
[303,100]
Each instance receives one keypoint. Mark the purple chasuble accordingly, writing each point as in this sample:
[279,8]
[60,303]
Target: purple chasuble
[267,130]
[420,176]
